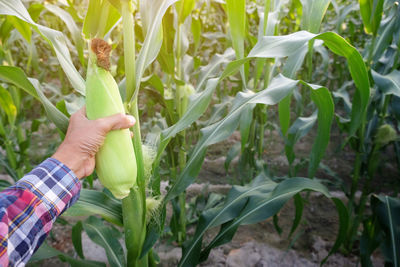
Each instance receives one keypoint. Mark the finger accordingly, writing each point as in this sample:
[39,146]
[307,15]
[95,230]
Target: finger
[116,122]
[131,133]
[79,115]
[82,111]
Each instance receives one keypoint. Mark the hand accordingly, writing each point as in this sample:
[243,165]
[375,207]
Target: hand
[85,137]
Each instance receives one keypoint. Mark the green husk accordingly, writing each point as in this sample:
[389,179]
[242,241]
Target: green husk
[115,161]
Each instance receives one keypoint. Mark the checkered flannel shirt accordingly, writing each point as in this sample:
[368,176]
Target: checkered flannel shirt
[29,208]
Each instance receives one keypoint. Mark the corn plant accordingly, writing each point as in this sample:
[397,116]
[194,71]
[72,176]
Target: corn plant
[164,56]
[380,230]
[377,130]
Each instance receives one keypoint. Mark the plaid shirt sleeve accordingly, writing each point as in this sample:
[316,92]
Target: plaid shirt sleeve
[29,208]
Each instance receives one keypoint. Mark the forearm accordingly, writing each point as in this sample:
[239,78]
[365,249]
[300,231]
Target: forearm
[29,208]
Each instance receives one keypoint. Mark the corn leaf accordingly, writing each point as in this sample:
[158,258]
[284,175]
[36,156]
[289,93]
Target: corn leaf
[46,252]
[284,114]
[184,8]
[245,121]
[387,32]
[211,69]
[22,27]
[299,206]
[279,88]
[299,129]
[247,205]
[92,26]
[235,201]
[236,10]
[93,202]
[219,131]
[292,65]
[7,104]
[3,183]
[17,77]
[72,28]
[153,15]
[55,38]
[197,106]
[76,237]
[324,102]
[388,84]
[283,46]
[313,13]
[103,236]
[166,56]
[387,211]
[196,32]
[371,14]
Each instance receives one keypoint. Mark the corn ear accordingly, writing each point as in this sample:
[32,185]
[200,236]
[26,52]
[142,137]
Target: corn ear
[115,161]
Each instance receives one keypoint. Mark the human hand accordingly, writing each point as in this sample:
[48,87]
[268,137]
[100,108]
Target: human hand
[85,137]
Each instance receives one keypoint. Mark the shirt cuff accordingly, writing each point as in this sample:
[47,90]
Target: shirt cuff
[54,183]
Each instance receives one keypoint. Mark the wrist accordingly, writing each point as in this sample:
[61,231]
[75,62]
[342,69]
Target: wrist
[68,159]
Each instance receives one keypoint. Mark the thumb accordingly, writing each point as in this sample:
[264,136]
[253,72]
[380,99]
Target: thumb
[116,122]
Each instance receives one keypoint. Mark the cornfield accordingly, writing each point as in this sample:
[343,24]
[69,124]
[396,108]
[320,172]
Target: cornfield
[236,83]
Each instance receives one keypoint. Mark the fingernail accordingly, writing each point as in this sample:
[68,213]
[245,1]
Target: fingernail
[131,119]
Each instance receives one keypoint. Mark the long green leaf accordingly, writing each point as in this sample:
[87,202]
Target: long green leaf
[283,46]
[184,8]
[278,89]
[103,236]
[236,10]
[299,206]
[92,26]
[234,203]
[324,102]
[17,77]
[299,129]
[93,202]
[245,205]
[387,210]
[197,106]
[154,11]
[72,28]
[46,252]
[76,237]
[22,27]
[206,72]
[7,104]
[313,13]
[388,84]
[386,36]
[237,24]
[55,38]
[371,14]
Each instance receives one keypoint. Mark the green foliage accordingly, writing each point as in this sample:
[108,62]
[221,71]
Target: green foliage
[382,230]
[103,236]
[203,70]
[250,204]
